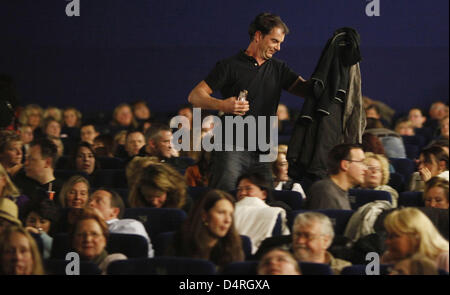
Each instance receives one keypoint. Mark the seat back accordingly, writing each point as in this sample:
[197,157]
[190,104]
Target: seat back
[114,178]
[197,192]
[292,198]
[397,181]
[110,163]
[360,197]
[162,265]
[339,218]
[411,199]
[309,268]
[405,167]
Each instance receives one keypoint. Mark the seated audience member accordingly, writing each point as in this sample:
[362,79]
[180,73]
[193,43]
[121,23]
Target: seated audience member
[53,112]
[83,159]
[377,176]
[119,141]
[52,127]
[19,253]
[134,168]
[59,144]
[278,261]
[392,141]
[75,192]
[416,117]
[209,232]
[374,112]
[10,191]
[111,207]
[386,112]
[411,232]
[416,265]
[280,172]
[438,110]
[158,139]
[122,119]
[89,236]
[31,115]
[347,169]
[11,153]
[433,161]
[134,141]
[405,128]
[371,143]
[443,123]
[312,235]
[160,186]
[141,111]
[26,135]
[104,146]
[88,133]
[435,194]
[198,174]
[38,178]
[72,118]
[9,214]
[256,213]
[186,111]
[41,218]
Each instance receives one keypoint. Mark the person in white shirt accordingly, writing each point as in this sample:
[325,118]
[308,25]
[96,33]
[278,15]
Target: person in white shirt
[111,206]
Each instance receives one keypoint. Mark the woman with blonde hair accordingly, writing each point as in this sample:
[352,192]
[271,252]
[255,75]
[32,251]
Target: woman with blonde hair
[11,151]
[135,167]
[15,239]
[377,175]
[31,115]
[75,192]
[411,232]
[435,194]
[160,186]
[9,190]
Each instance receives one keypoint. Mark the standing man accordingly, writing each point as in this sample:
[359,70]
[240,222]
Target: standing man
[263,76]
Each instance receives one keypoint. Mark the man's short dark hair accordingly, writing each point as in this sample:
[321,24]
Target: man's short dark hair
[260,181]
[265,22]
[153,131]
[116,200]
[48,149]
[337,154]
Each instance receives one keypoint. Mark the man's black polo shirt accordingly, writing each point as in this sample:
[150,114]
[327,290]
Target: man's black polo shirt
[263,83]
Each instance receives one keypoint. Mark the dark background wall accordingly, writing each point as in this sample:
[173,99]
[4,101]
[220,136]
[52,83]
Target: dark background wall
[122,50]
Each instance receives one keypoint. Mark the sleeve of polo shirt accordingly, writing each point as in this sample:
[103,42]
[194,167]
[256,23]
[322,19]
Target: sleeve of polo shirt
[218,76]
[288,76]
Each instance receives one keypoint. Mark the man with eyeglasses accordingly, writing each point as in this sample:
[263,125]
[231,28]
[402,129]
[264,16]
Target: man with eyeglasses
[346,169]
[312,235]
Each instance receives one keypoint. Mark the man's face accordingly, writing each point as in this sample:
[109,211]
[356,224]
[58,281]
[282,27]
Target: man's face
[438,111]
[309,244]
[135,141]
[269,44]
[356,167]
[124,116]
[34,163]
[53,129]
[163,146]
[141,112]
[416,117]
[101,200]
[88,134]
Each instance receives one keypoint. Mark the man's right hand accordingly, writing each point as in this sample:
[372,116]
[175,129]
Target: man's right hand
[232,106]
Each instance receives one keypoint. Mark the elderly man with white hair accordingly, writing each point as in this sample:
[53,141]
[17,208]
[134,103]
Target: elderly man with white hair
[312,235]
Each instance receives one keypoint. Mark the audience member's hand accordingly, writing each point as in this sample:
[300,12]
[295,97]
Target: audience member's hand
[232,106]
[32,230]
[425,174]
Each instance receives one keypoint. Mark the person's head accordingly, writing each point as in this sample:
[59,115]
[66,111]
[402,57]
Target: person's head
[312,235]
[253,184]
[141,111]
[10,148]
[7,187]
[51,126]
[108,203]
[104,145]
[282,112]
[158,139]
[75,192]
[26,134]
[84,158]
[371,143]
[281,166]
[19,253]
[42,215]
[377,170]
[41,158]
[267,32]
[135,166]
[123,116]
[405,127]
[435,159]
[444,127]
[416,265]
[278,261]
[54,113]
[31,115]
[186,111]
[88,133]
[135,140]
[416,117]
[159,185]
[59,144]
[409,232]
[217,213]
[9,214]
[89,234]
[72,117]
[373,111]
[435,194]
[348,159]
[438,110]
